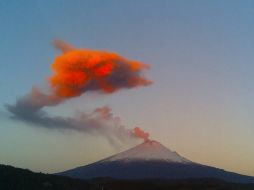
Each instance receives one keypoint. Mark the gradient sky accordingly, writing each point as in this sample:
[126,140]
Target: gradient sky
[202,64]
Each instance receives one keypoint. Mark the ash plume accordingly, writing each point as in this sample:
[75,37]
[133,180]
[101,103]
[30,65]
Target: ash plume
[75,72]
[141,134]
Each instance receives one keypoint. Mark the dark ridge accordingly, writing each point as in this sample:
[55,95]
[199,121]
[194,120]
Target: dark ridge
[12,178]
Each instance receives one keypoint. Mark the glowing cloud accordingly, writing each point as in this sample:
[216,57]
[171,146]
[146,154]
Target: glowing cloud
[77,71]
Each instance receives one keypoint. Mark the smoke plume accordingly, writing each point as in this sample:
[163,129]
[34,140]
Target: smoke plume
[75,72]
[140,134]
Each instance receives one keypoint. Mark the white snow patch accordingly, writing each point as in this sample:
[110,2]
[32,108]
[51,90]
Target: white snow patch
[149,150]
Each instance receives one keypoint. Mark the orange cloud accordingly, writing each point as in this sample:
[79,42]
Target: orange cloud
[77,71]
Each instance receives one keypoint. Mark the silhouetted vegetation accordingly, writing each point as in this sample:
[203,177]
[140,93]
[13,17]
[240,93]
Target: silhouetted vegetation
[20,179]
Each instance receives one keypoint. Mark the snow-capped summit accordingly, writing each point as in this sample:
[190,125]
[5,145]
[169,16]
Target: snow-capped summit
[151,160]
[149,150]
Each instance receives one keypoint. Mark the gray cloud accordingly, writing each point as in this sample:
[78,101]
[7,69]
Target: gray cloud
[100,121]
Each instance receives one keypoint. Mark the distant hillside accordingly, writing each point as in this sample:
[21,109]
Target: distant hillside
[20,179]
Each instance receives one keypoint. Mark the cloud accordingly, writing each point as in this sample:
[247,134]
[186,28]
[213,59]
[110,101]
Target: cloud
[101,122]
[75,72]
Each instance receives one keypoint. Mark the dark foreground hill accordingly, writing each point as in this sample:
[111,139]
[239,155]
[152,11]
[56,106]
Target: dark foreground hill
[19,179]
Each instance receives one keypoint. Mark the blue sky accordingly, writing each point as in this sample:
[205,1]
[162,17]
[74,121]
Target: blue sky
[201,57]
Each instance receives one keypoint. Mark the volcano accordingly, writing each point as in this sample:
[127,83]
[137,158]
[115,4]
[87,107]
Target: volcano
[152,160]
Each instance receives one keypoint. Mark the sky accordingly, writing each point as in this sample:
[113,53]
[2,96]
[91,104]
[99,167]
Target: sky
[201,57]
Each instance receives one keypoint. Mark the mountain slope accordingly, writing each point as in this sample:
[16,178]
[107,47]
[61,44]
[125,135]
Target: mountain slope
[152,160]
[148,151]
[19,179]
